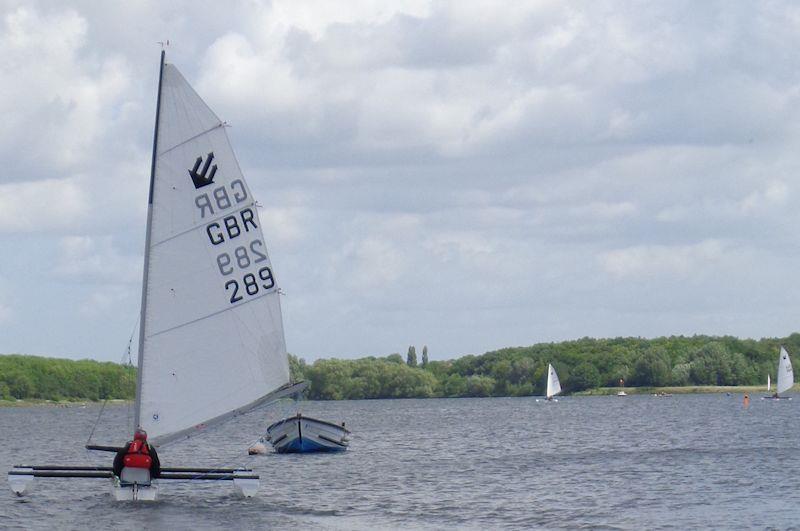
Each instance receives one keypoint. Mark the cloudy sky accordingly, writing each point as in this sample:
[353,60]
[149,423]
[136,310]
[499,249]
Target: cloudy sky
[466,175]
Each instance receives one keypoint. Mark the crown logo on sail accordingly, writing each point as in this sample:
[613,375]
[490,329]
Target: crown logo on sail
[203,178]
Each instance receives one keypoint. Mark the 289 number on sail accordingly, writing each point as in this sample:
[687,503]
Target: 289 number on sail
[250,284]
[241,257]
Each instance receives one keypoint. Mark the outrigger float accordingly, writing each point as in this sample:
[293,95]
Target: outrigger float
[133,486]
[211,341]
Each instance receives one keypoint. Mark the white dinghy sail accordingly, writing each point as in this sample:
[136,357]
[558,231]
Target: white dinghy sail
[553,385]
[211,341]
[785,373]
[769,383]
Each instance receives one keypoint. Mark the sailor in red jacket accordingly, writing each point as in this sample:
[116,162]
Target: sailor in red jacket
[138,454]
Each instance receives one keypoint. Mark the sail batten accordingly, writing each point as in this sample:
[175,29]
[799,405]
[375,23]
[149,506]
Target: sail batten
[211,342]
[154,334]
[221,124]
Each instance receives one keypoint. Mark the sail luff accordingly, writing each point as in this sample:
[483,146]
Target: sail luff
[148,232]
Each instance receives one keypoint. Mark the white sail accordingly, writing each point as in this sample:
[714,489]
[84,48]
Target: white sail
[212,342]
[769,383]
[785,373]
[553,385]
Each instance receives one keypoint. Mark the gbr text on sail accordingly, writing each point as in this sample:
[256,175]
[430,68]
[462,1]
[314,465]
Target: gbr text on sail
[231,230]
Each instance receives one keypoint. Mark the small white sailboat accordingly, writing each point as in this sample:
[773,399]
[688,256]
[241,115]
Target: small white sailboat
[785,377]
[302,434]
[211,341]
[769,384]
[553,385]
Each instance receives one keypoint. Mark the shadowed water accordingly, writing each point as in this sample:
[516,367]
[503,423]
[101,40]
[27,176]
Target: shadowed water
[689,461]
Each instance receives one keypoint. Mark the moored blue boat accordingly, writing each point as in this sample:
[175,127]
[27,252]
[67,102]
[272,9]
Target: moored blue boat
[301,434]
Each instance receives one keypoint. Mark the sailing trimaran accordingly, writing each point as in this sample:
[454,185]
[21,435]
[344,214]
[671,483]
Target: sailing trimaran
[785,377]
[211,342]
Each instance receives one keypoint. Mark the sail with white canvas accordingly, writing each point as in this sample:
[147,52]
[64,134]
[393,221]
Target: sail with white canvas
[553,385]
[211,342]
[785,379]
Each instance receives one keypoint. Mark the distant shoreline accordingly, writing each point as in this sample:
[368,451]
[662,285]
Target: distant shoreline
[36,402]
[754,390]
[684,390]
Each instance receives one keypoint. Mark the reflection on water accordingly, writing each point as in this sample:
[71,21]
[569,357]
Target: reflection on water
[630,463]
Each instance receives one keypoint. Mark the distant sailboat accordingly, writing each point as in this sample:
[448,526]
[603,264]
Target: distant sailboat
[769,384]
[553,385]
[785,377]
[621,392]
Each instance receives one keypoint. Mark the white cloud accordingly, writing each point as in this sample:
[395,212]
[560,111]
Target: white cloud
[99,301]
[48,205]
[774,194]
[95,259]
[655,260]
[283,225]
[57,102]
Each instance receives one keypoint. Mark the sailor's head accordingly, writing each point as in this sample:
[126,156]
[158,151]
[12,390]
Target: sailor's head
[139,435]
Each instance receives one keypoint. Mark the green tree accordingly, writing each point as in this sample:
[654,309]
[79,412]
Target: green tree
[424,356]
[395,358]
[583,376]
[297,368]
[652,368]
[680,374]
[480,385]
[411,358]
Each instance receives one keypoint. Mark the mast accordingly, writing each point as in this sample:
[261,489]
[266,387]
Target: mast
[142,320]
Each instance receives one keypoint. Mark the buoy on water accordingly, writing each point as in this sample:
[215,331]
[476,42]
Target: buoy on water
[258,448]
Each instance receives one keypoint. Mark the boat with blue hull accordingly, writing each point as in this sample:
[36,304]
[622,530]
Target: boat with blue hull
[302,434]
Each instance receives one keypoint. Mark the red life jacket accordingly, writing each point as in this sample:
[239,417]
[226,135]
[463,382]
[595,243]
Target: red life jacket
[138,455]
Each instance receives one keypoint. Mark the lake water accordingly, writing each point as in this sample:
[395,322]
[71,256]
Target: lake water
[638,462]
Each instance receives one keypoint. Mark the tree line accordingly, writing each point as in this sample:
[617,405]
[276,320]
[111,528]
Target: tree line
[522,371]
[33,377]
[518,371]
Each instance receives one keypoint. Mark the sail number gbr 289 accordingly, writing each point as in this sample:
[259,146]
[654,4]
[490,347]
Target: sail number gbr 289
[242,259]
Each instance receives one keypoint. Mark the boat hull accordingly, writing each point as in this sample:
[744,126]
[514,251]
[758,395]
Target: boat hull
[301,434]
[133,492]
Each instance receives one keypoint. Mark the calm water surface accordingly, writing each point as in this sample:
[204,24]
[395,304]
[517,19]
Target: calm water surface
[639,462]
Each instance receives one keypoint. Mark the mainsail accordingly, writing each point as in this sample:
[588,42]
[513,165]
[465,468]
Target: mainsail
[785,373]
[553,385]
[211,340]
